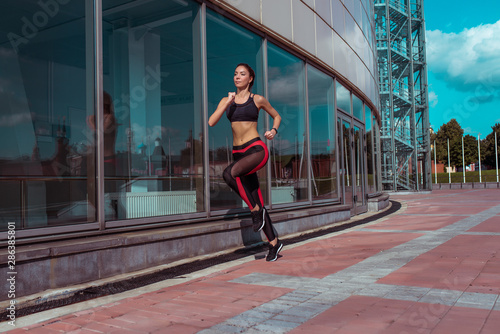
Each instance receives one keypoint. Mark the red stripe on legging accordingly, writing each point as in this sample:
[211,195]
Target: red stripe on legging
[258,142]
[261,198]
[264,161]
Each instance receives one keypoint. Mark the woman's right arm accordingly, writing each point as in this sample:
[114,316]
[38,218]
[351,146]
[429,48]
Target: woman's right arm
[221,108]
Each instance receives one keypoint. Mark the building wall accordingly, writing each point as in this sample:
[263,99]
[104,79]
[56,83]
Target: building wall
[147,78]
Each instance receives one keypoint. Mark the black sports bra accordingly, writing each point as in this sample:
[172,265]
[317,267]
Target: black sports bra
[245,112]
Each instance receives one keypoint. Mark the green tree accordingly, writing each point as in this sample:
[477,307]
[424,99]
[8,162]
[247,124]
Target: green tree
[454,132]
[470,149]
[488,146]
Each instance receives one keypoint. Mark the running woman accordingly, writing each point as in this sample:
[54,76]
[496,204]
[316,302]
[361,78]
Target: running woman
[250,153]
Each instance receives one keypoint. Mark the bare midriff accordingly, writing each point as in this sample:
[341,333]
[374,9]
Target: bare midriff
[243,132]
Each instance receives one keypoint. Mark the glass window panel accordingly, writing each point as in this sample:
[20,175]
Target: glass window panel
[357,107]
[338,17]
[377,154]
[303,27]
[359,165]
[223,57]
[369,150]
[343,98]
[286,95]
[324,42]
[153,144]
[322,132]
[46,158]
[323,9]
[282,9]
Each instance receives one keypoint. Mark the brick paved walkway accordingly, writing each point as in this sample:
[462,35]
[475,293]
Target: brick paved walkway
[431,267]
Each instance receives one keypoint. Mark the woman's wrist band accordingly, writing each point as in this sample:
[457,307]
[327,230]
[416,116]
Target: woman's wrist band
[275,130]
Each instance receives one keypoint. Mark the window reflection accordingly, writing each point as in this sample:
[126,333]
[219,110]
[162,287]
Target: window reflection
[46,156]
[287,151]
[322,132]
[222,60]
[377,154]
[369,150]
[357,107]
[346,158]
[156,166]
[343,98]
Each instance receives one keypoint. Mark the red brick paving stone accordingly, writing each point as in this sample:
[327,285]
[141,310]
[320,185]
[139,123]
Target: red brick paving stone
[164,294]
[17,331]
[113,311]
[142,324]
[488,281]
[462,320]
[178,329]
[422,316]
[118,323]
[42,330]
[59,325]
[82,319]
[452,265]
[324,257]
[417,222]
[492,324]
[80,331]
[489,225]
[443,209]
[405,329]
[101,327]
[357,314]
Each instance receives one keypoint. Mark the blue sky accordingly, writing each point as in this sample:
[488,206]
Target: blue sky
[463,59]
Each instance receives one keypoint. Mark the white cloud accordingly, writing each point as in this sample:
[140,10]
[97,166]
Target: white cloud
[468,61]
[470,131]
[433,99]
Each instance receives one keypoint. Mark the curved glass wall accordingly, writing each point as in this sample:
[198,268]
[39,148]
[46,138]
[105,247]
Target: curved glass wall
[286,94]
[155,57]
[322,132]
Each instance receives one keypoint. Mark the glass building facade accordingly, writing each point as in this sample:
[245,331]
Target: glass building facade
[105,103]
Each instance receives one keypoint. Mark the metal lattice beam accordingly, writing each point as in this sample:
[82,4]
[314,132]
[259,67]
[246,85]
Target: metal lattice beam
[405,143]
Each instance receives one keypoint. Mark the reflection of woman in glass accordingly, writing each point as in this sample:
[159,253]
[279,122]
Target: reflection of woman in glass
[249,152]
[110,129]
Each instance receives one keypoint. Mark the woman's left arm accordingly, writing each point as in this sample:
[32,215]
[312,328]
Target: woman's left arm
[262,103]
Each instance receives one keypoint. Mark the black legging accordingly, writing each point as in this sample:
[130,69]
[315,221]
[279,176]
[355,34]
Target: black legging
[241,176]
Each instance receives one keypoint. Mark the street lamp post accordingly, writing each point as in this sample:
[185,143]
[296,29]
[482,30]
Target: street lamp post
[449,167]
[463,159]
[435,165]
[496,154]
[479,153]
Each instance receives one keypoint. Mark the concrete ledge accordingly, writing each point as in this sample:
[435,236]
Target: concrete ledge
[378,203]
[58,264]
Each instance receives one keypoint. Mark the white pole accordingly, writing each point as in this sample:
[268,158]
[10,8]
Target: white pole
[435,165]
[169,164]
[496,154]
[449,167]
[463,159]
[479,153]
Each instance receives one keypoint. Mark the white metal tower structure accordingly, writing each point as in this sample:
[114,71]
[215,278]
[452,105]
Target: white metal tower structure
[405,143]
